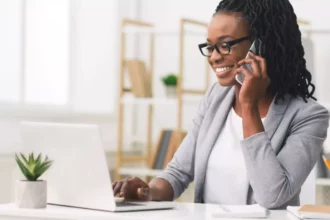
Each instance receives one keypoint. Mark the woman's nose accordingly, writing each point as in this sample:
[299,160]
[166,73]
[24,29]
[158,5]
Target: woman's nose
[215,56]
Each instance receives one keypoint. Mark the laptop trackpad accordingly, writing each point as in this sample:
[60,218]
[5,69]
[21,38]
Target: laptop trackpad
[120,202]
[124,204]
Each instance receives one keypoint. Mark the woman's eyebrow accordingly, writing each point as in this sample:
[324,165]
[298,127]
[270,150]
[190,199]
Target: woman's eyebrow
[221,38]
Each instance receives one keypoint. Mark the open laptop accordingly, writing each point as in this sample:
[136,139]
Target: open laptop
[79,175]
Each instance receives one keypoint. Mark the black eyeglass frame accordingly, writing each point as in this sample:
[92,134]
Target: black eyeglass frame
[229,44]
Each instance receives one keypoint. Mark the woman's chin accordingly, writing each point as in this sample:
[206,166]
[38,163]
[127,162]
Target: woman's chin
[227,81]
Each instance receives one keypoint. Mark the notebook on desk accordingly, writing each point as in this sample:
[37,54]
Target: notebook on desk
[239,211]
[310,211]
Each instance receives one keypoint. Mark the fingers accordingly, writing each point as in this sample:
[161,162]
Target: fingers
[256,70]
[144,193]
[123,190]
[128,189]
[117,187]
[245,71]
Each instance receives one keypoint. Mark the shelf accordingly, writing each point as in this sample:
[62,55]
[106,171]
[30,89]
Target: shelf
[158,101]
[139,171]
[323,181]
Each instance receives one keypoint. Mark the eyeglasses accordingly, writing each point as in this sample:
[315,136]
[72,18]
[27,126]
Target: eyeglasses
[222,47]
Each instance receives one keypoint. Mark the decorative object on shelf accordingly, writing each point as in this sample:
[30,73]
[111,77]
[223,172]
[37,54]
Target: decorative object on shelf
[32,193]
[168,143]
[170,81]
[140,79]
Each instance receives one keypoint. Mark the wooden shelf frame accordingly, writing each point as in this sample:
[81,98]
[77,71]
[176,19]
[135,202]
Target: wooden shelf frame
[180,90]
[121,159]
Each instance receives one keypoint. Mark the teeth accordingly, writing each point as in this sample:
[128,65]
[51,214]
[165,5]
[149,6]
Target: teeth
[222,69]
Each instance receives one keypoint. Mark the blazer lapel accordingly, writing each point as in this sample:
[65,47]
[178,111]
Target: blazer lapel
[275,115]
[204,148]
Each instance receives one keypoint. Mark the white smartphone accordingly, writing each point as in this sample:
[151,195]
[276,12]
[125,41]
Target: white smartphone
[256,49]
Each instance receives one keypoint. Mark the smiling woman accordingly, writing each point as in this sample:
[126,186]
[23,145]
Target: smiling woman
[250,143]
[228,36]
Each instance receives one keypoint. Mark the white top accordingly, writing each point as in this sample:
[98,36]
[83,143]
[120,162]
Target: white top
[226,165]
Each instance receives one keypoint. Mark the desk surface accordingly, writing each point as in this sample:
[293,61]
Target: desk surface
[187,211]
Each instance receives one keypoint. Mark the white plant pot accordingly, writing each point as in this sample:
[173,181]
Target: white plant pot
[31,194]
[170,91]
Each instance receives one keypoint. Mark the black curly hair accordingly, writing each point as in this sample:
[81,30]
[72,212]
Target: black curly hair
[275,24]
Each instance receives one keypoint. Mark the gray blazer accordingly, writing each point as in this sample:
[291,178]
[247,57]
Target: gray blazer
[278,161]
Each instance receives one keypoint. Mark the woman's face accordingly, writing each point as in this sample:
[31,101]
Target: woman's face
[227,27]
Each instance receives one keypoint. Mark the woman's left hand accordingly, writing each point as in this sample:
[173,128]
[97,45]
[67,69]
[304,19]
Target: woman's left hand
[255,82]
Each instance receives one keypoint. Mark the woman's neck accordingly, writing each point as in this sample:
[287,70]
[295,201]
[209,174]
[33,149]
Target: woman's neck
[263,104]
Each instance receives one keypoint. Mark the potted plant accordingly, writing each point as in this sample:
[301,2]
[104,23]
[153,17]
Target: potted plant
[32,193]
[170,81]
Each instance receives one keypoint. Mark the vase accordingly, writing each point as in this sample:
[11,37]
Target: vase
[171,91]
[31,194]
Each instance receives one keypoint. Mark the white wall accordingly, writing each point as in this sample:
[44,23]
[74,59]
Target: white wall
[11,46]
[94,44]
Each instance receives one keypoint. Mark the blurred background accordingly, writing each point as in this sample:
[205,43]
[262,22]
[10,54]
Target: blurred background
[132,67]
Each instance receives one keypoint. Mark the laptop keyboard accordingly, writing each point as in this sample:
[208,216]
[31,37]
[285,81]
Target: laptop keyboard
[125,204]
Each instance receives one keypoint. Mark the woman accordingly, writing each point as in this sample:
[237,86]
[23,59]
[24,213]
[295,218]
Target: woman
[250,143]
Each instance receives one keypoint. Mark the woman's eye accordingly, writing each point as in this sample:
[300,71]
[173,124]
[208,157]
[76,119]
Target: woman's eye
[209,48]
[223,45]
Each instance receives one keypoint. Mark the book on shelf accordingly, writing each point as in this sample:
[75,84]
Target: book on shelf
[168,143]
[139,77]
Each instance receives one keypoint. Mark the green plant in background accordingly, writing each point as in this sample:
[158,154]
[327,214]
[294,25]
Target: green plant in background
[170,80]
[32,168]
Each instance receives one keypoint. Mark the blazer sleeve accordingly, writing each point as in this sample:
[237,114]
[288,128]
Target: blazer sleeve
[275,179]
[180,170]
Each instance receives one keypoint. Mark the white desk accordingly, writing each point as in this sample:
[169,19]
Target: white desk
[183,211]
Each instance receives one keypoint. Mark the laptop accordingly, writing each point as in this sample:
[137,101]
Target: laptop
[79,176]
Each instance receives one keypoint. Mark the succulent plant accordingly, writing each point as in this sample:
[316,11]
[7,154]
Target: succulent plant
[32,168]
[170,80]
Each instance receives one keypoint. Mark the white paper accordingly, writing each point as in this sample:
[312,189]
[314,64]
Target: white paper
[240,211]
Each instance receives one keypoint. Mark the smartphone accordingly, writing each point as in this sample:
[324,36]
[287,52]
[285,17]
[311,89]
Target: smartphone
[256,49]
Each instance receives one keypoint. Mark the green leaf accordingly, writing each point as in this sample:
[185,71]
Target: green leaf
[31,158]
[33,167]
[25,160]
[42,168]
[45,164]
[37,167]
[24,170]
[38,160]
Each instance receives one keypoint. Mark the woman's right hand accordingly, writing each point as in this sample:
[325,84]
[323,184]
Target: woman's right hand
[132,188]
